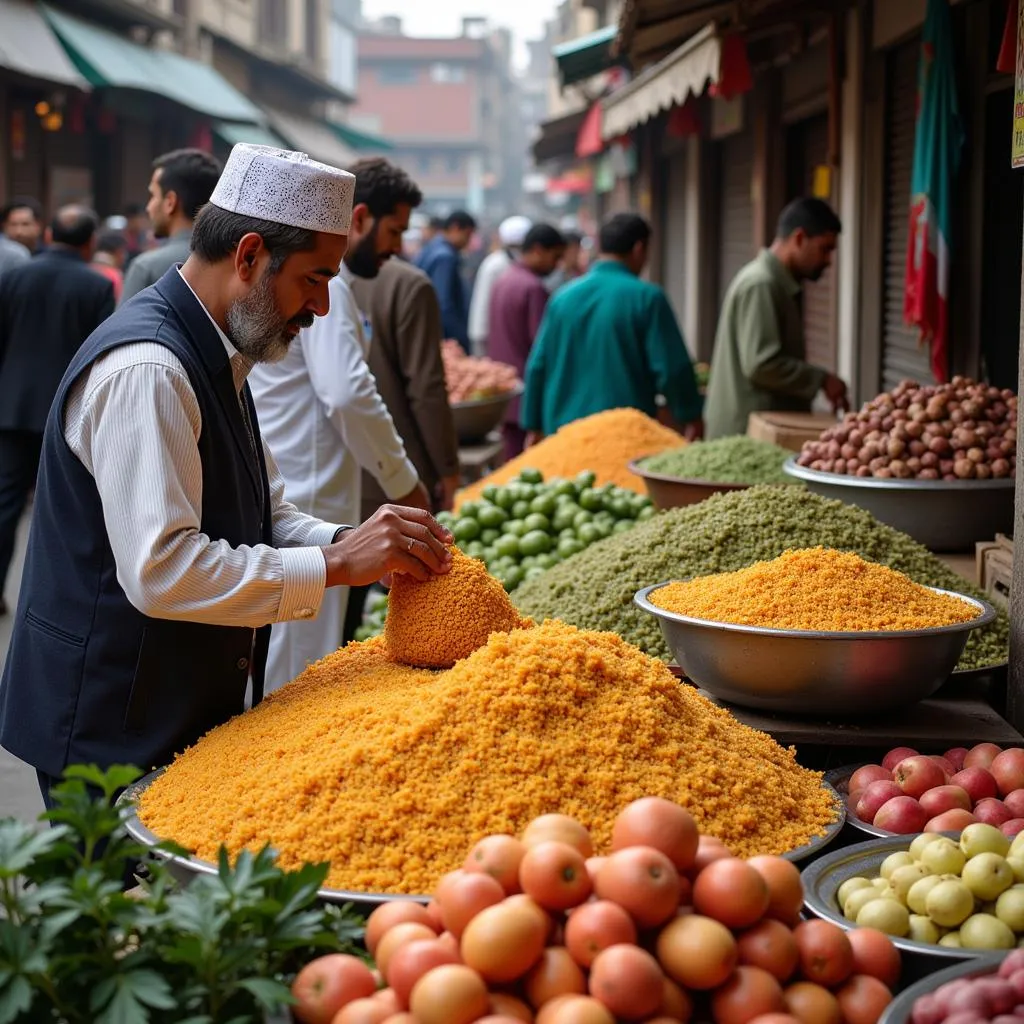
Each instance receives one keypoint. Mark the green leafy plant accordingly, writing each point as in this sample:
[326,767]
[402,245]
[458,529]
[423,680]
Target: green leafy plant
[76,949]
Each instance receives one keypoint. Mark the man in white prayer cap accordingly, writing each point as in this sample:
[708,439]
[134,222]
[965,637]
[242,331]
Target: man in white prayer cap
[512,232]
[162,546]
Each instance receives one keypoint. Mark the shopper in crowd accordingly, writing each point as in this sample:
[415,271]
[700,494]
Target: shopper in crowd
[322,414]
[441,259]
[162,544]
[21,220]
[109,259]
[48,306]
[405,360]
[137,231]
[572,265]
[430,230]
[511,233]
[516,311]
[610,340]
[179,187]
[12,253]
[759,361]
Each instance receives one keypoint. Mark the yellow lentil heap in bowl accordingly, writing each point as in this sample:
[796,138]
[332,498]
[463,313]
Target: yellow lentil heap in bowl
[436,623]
[814,589]
[393,773]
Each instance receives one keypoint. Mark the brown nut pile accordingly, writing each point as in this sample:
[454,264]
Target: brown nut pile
[957,431]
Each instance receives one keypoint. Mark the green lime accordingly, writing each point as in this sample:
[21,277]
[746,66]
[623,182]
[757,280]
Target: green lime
[536,542]
[489,536]
[605,517]
[489,492]
[474,549]
[623,525]
[511,578]
[515,528]
[548,561]
[588,534]
[536,521]
[446,519]
[544,504]
[503,498]
[534,571]
[491,515]
[531,476]
[565,488]
[591,500]
[582,517]
[469,510]
[569,546]
[586,478]
[520,510]
[621,508]
[565,515]
[647,513]
[466,530]
[604,529]
[507,546]
[528,563]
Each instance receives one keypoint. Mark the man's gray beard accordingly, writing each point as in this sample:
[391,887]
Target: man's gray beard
[256,327]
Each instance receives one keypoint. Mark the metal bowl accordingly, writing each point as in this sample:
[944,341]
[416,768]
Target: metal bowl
[823,878]
[474,420]
[943,515]
[811,672]
[818,843]
[675,492]
[184,869]
[899,1010]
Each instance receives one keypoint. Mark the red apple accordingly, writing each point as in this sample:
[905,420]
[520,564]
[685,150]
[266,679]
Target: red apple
[852,799]
[944,798]
[991,811]
[978,782]
[896,755]
[1012,827]
[955,756]
[873,797]
[982,755]
[916,775]
[1007,769]
[945,764]
[1015,803]
[952,821]
[865,775]
[902,814]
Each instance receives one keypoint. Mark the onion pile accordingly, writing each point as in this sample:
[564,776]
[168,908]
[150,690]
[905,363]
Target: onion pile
[957,431]
[473,377]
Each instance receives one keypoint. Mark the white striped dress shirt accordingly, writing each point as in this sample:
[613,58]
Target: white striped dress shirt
[133,421]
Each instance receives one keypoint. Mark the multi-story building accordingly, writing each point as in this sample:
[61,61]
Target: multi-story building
[449,107]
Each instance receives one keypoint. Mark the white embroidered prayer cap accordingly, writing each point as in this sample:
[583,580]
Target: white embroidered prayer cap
[286,187]
[512,231]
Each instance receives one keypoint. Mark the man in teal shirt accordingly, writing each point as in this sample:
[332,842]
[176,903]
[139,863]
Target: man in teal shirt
[608,341]
[760,358]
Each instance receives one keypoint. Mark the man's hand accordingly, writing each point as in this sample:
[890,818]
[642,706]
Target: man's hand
[393,539]
[693,431]
[418,497]
[533,437]
[835,392]
[448,487]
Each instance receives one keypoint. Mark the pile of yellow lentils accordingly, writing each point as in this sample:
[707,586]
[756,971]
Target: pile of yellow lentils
[814,589]
[604,443]
[391,773]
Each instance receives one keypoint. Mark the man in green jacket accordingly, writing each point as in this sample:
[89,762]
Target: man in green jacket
[609,340]
[760,357]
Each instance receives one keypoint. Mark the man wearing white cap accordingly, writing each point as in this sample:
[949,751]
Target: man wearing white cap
[162,546]
[512,232]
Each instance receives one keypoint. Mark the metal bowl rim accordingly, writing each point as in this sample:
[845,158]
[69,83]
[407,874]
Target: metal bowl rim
[862,851]
[818,843]
[504,396]
[986,616]
[140,833]
[817,476]
[903,1003]
[634,467]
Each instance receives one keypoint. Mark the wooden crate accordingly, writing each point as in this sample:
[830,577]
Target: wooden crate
[995,568]
[788,429]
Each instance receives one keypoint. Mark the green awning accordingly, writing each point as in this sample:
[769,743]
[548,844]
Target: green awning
[255,134]
[361,141]
[106,59]
[589,55]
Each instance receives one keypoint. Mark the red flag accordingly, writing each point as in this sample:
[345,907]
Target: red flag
[589,141]
[1007,60]
[684,120]
[734,73]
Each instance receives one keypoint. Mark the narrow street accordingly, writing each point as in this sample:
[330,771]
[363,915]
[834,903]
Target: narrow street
[19,795]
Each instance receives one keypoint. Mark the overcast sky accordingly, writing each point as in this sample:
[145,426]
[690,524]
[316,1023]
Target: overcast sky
[444,17]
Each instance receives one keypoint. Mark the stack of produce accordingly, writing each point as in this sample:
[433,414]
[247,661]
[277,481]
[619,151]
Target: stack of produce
[814,589]
[959,894]
[525,527]
[728,460]
[515,932]
[957,431]
[990,996]
[604,443]
[912,792]
[390,772]
[473,377]
[727,532]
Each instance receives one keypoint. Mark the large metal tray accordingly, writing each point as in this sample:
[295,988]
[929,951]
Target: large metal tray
[475,419]
[899,1010]
[943,515]
[823,878]
[676,492]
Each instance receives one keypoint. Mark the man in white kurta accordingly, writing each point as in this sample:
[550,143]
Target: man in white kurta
[323,418]
[511,233]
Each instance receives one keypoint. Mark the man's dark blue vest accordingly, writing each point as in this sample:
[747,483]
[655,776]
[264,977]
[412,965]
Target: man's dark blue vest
[89,678]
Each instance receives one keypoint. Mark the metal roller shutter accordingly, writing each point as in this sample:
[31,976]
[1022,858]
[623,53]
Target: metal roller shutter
[674,233]
[902,354]
[808,148]
[736,216]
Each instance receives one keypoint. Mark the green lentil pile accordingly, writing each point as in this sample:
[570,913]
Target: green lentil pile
[729,460]
[728,532]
